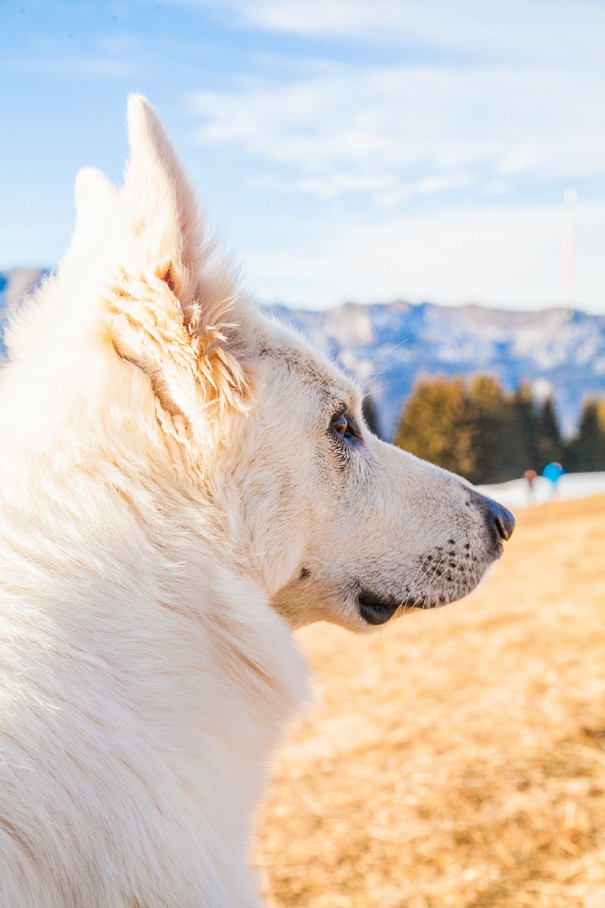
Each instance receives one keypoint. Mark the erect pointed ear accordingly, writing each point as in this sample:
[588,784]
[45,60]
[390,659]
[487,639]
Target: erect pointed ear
[160,207]
[171,309]
[96,201]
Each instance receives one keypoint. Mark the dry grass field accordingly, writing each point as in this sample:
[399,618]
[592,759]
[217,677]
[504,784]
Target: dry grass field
[456,759]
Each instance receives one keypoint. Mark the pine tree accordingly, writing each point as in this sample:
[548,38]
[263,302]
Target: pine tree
[587,451]
[549,444]
[493,432]
[527,428]
[434,424]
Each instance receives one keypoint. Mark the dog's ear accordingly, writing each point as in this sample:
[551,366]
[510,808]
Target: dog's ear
[161,212]
[97,206]
[171,303]
[57,305]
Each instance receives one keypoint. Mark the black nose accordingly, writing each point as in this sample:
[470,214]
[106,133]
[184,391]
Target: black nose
[502,517]
[498,517]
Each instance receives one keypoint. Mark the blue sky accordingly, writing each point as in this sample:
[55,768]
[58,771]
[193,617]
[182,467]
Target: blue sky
[343,149]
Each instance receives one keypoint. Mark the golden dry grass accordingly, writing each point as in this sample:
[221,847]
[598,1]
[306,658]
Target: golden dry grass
[456,759]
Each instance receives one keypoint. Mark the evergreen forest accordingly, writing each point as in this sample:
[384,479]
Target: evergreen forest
[490,435]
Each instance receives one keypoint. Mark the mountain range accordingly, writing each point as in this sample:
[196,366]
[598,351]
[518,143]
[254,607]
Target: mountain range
[385,346]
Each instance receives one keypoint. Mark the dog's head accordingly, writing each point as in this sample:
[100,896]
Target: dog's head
[343,526]
[226,407]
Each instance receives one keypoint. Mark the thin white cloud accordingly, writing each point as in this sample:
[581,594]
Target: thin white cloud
[329,186]
[345,126]
[556,30]
[427,186]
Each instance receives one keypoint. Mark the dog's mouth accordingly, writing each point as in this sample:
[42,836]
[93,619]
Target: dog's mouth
[379,609]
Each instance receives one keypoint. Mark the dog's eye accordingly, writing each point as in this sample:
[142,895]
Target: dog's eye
[342,426]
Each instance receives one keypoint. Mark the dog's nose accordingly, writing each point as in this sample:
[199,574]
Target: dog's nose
[497,515]
[502,517]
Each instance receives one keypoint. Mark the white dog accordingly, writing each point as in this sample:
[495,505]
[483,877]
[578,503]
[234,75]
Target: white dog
[183,483]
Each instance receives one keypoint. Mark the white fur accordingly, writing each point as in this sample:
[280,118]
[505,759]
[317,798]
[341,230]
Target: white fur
[173,502]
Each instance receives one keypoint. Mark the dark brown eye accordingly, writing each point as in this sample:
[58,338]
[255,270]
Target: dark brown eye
[340,425]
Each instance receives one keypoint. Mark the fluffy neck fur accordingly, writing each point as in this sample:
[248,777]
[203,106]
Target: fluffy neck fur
[109,631]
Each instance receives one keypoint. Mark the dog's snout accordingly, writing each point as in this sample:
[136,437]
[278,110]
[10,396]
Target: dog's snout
[499,516]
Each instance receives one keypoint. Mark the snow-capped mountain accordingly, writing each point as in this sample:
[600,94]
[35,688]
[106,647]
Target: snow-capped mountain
[386,345]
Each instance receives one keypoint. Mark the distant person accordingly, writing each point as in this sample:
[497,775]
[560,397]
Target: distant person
[553,472]
[530,477]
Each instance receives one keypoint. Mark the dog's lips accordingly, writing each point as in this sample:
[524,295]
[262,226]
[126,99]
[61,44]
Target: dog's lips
[374,610]
[377,610]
